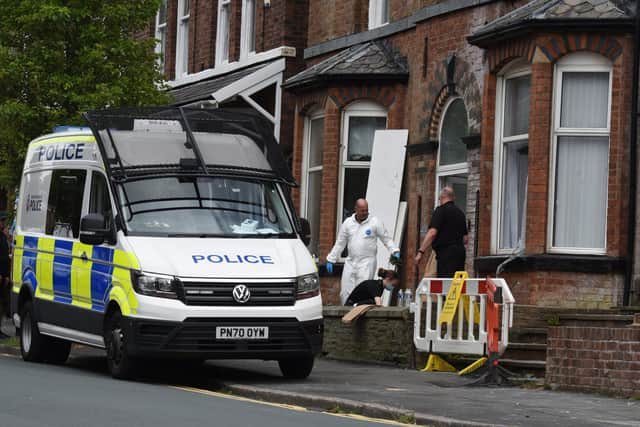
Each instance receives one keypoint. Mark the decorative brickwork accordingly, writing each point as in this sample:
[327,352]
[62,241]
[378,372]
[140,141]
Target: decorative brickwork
[508,51]
[556,46]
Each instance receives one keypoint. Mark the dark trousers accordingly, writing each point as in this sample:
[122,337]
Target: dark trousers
[450,259]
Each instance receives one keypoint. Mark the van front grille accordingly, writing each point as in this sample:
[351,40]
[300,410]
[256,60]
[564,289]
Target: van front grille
[221,293]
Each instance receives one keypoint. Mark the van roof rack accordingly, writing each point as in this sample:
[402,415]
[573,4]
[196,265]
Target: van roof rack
[158,141]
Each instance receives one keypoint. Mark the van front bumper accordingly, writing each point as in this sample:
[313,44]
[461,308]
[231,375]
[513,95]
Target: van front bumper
[196,338]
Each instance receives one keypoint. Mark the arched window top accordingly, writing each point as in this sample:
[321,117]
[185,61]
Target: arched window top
[584,59]
[515,67]
[455,125]
[365,106]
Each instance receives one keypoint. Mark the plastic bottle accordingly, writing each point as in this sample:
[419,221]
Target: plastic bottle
[408,297]
[400,299]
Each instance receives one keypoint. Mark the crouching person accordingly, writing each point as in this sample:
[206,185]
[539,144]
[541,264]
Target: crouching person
[370,291]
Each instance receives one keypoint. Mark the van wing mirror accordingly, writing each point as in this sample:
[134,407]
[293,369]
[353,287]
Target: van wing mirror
[305,231]
[94,230]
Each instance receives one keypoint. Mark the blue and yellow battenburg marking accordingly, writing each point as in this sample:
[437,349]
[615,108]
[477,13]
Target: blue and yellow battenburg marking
[74,273]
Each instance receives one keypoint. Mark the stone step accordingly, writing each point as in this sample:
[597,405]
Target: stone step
[528,335]
[596,320]
[526,351]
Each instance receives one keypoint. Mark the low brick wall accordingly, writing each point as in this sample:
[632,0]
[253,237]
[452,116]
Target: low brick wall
[382,335]
[594,359]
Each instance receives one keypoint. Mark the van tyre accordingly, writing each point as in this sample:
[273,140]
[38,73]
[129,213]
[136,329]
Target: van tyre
[32,343]
[121,365]
[297,368]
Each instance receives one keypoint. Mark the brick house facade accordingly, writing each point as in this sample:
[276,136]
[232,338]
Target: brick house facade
[233,53]
[522,107]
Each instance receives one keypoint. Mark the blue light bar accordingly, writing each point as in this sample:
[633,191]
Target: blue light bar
[67,128]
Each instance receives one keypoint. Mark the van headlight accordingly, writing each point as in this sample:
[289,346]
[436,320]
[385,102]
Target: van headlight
[155,286]
[308,286]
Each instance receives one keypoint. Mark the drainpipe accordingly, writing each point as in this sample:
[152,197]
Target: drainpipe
[633,154]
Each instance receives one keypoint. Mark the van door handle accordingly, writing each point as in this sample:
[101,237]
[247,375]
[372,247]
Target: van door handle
[84,257]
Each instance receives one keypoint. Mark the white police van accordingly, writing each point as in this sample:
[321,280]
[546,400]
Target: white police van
[164,232]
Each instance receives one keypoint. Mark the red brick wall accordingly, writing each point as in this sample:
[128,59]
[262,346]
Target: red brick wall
[594,359]
[566,289]
[202,35]
[337,18]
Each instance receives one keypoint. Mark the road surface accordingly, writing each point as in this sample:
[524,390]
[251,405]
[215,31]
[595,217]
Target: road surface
[82,394]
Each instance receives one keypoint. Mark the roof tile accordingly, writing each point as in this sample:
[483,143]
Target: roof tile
[371,59]
[548,10]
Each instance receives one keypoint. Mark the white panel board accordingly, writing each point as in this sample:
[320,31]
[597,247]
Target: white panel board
[385,181]
[398,233]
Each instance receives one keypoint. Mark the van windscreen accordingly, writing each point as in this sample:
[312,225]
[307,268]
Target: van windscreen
[204,207]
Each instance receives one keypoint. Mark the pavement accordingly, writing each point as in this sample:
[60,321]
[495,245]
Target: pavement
[441,399]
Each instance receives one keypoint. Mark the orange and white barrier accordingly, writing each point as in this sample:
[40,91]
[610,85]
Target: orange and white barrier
[476,323]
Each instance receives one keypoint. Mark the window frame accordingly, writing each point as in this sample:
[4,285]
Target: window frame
[377,16]
[161,27]
[182,41]
[576,62]
[306,170]
[355,109]
[223,33]
[453,169]
[248,30]
[512,71]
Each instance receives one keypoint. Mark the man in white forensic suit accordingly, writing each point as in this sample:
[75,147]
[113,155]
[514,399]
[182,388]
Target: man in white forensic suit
[359,233]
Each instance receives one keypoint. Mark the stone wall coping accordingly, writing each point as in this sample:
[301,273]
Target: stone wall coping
[612,317]
[378,312]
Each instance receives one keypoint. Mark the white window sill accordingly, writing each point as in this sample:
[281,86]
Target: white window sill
[227,67]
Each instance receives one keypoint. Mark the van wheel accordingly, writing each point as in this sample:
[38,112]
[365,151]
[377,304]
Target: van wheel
[32,343]
[297,368]
[57,351]
[121,365]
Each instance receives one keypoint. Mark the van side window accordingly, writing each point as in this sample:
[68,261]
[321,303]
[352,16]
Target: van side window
[99,201]
[65,203]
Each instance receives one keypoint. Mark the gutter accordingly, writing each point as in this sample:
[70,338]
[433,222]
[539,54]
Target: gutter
[489,38]
[633,167]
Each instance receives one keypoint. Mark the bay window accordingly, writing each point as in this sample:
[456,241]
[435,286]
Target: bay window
[580,154]
[511,159]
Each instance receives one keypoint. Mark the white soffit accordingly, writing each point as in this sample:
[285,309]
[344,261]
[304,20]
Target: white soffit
[255,81]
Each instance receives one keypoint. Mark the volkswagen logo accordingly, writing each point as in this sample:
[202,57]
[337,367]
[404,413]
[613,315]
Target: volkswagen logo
[241,294]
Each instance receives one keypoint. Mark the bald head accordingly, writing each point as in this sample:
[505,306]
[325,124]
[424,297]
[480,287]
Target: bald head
[361,209]
[447,195]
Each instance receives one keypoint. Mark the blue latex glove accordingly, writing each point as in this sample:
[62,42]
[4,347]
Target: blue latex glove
[396,255]
[329,267]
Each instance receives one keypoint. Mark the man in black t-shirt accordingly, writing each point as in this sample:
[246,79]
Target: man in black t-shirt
[447,236]
[370,291]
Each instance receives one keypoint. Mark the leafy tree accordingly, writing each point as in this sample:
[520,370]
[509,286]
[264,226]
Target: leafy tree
[59,58]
